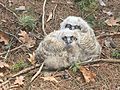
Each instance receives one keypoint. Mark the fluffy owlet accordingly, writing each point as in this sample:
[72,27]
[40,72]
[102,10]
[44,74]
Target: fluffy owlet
[91,49]
[59,49]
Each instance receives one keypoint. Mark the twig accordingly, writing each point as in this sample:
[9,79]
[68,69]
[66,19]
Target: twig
[5,82]
[7,53]
[26,70]
[43,18]
[38,72]
[13,49]
[53,17]
[55,2]
[108,35]
[54,11]
[90,13]
[101,60]
[10,34]
[9,10]
[19,73]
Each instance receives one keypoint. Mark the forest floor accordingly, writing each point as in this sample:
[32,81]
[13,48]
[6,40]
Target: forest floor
[15,53]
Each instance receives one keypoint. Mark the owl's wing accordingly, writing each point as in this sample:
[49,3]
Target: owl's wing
[50,46]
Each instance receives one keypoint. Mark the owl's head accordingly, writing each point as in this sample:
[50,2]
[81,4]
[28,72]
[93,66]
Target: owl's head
[73,22]
[69,37]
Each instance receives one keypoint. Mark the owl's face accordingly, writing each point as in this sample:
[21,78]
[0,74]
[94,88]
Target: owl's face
[73,22]
[69,37]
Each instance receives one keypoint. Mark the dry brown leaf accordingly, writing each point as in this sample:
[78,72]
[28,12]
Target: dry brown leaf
[112,21]
[32,58]
[1,74]
[49,78]
[88,75]
[102,3]
[1,80]
[4,38]
[19,80]
[3,64]
[28,41]
[50,17]
[1,88]
[20,8]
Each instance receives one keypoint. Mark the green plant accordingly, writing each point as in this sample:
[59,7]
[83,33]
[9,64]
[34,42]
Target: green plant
[75,66]
[116,54]
[87,5]
[18,66]
[28,21]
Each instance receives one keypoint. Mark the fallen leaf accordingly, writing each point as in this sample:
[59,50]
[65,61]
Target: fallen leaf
[108,12]
[102,3]
[28,41]
[19,80]
[4,38]
[50,17]
[10,2]
[1,74]
[49,78]
[1,80]
[3,64]
[20,8]
[110,43]
[4,21]
[32,58]
[88,75]
[69,2]
[1,88]
[112,21]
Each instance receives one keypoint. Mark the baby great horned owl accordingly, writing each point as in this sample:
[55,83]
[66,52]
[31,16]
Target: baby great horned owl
[59,49]
[88,43]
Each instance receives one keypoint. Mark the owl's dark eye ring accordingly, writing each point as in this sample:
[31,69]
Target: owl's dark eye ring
[68,26]
[77,27]
[64,38]
[73,38]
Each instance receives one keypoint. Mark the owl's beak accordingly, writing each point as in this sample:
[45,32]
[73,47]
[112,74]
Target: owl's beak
[68,46]
[69,41]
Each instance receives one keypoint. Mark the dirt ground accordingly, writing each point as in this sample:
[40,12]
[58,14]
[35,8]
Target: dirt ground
[108,74]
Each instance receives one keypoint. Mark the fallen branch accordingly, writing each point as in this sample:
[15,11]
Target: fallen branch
[43,18]
[26,70]
[10,34]
[12,49]
[38,72]
[9,10]
[56,2]
[54,11]
[101,60]
[38,65]
[19,73]
[108,35]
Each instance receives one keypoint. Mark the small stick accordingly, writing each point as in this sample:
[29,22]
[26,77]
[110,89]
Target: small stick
[54,11]
[13,49]
[101,60]
[55,2]
[108,35]
[26,70]
[10,34]
[9,10]
[20,72]
[43,18]
[38,72]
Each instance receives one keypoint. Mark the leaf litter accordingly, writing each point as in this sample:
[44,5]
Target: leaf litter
[26,39]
